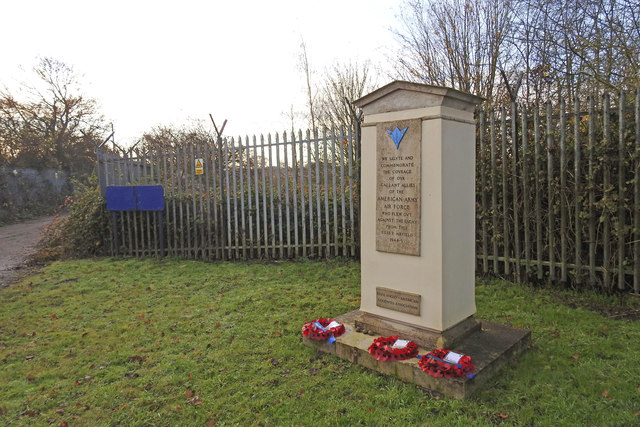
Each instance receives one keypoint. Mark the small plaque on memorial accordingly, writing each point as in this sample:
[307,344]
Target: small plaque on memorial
[404,302]
[398,151]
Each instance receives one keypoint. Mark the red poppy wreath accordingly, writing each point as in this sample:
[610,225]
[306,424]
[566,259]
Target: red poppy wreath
[323,329]
[446,363]
[392,348]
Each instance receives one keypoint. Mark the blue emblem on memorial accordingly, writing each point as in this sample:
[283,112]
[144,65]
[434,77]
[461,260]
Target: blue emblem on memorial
[397,135]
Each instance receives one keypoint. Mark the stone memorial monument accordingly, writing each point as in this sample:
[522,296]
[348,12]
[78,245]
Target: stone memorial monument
[418,235]
[418,213]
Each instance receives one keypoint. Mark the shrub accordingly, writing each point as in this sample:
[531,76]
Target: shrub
[83,232]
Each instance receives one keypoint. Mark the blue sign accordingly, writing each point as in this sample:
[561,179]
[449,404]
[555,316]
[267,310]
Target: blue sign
[138,197]
[120,198]
[149,197]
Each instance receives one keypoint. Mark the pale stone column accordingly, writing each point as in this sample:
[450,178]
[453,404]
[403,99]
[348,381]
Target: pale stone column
[418,212]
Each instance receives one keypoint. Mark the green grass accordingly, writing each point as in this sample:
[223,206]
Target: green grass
[107,342]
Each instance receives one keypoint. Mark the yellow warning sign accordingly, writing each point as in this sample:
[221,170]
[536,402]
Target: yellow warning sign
[199,167]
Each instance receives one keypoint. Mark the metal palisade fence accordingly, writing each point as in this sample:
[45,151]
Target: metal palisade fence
[281,196]
[558,192]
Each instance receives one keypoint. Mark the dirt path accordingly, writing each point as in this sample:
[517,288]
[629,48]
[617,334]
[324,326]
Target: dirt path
[17,244]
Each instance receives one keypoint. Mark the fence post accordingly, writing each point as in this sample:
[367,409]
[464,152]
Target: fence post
[636,200]
[577,192]
[621,191]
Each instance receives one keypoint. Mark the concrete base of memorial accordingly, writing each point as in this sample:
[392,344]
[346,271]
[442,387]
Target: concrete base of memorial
[490,346]
[372,324]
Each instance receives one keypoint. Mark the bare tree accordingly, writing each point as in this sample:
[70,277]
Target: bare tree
[343,83]
[596,42]
[310,92]
[54,126]
[551,47]
[454,43]
[170,137]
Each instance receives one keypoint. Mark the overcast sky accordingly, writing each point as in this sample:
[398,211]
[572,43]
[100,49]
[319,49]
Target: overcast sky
[155,62]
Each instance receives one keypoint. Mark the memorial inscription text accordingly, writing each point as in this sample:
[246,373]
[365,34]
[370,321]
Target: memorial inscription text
[398,187]
[404,302]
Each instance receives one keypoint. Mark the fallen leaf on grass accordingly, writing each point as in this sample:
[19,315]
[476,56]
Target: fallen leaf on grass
[188,393]
[274,362]
[211,423]
[576,356]
[29,357]
[135,358]
[503,416]
[64,424]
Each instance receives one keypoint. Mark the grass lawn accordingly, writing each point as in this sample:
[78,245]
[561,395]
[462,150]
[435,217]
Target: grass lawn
[108,342]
